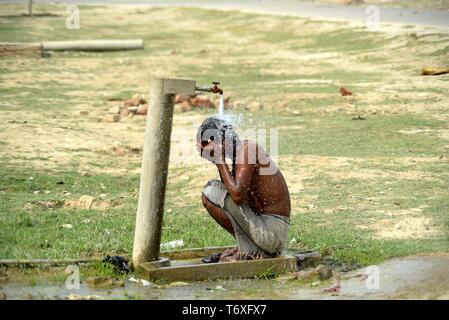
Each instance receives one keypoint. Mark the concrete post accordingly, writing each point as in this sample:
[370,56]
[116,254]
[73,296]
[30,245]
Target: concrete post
[156,153]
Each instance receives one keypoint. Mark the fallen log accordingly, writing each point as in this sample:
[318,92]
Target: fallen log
[21,49]
[93,45]
[434,71]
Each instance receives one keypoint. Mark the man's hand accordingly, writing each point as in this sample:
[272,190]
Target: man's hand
[214,153]
[239,185]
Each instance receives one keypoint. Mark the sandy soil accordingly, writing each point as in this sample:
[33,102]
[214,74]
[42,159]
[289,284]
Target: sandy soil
[49,139]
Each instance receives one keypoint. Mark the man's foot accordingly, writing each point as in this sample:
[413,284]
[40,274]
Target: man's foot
[229,255]
[241,256]
[251,256]
[213,258]
[230,251]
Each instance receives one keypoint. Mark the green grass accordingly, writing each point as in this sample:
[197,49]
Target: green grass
[337,233]
[38,232]
[31,231]
[377,136]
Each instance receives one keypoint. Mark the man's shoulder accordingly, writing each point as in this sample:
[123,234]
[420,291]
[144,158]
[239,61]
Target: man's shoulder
[249,144]
[250,152]
[248,147]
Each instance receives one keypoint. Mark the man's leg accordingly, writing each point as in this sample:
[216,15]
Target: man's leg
[254,233]
[218,214]
[263,234]
[213,194]
[228,214]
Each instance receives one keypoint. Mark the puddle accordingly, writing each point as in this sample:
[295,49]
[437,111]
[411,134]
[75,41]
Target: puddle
[415,277]
[418,277]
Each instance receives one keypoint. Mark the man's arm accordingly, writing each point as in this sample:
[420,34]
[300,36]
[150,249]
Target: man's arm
[221,176]
[238,188]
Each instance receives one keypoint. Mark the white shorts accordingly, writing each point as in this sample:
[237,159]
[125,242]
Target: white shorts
[264,234]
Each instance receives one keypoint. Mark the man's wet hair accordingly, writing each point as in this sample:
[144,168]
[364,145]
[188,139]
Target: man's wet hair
[217,126]
[214,127]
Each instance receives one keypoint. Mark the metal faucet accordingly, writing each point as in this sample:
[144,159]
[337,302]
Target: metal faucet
[213,89]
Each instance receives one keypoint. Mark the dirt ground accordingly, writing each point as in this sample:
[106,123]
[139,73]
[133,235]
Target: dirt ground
[53,108]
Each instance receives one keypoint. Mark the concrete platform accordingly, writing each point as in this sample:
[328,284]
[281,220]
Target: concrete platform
[194,270]
[192,253]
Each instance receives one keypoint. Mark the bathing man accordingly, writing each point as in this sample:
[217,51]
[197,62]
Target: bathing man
[251,201]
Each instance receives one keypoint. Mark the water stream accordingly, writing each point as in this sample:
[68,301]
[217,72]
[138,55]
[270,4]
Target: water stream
[221,106]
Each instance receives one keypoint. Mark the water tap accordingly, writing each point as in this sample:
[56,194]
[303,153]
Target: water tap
[213,89]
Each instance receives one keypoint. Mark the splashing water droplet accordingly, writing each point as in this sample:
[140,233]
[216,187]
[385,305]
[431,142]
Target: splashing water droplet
[236,119]
[221,105]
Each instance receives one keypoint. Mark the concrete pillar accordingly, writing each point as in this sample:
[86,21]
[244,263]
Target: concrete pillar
[153,178]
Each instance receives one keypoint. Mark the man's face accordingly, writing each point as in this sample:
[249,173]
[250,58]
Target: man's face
[209,146]
[208,150]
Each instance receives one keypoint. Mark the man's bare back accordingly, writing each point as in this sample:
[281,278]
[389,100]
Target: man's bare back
[267,193]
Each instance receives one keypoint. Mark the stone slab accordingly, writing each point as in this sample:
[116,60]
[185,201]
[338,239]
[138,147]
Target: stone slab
[192,253]
[224,270]
[163,262]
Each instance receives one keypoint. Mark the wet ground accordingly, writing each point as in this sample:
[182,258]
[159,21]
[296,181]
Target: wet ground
[416,277]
